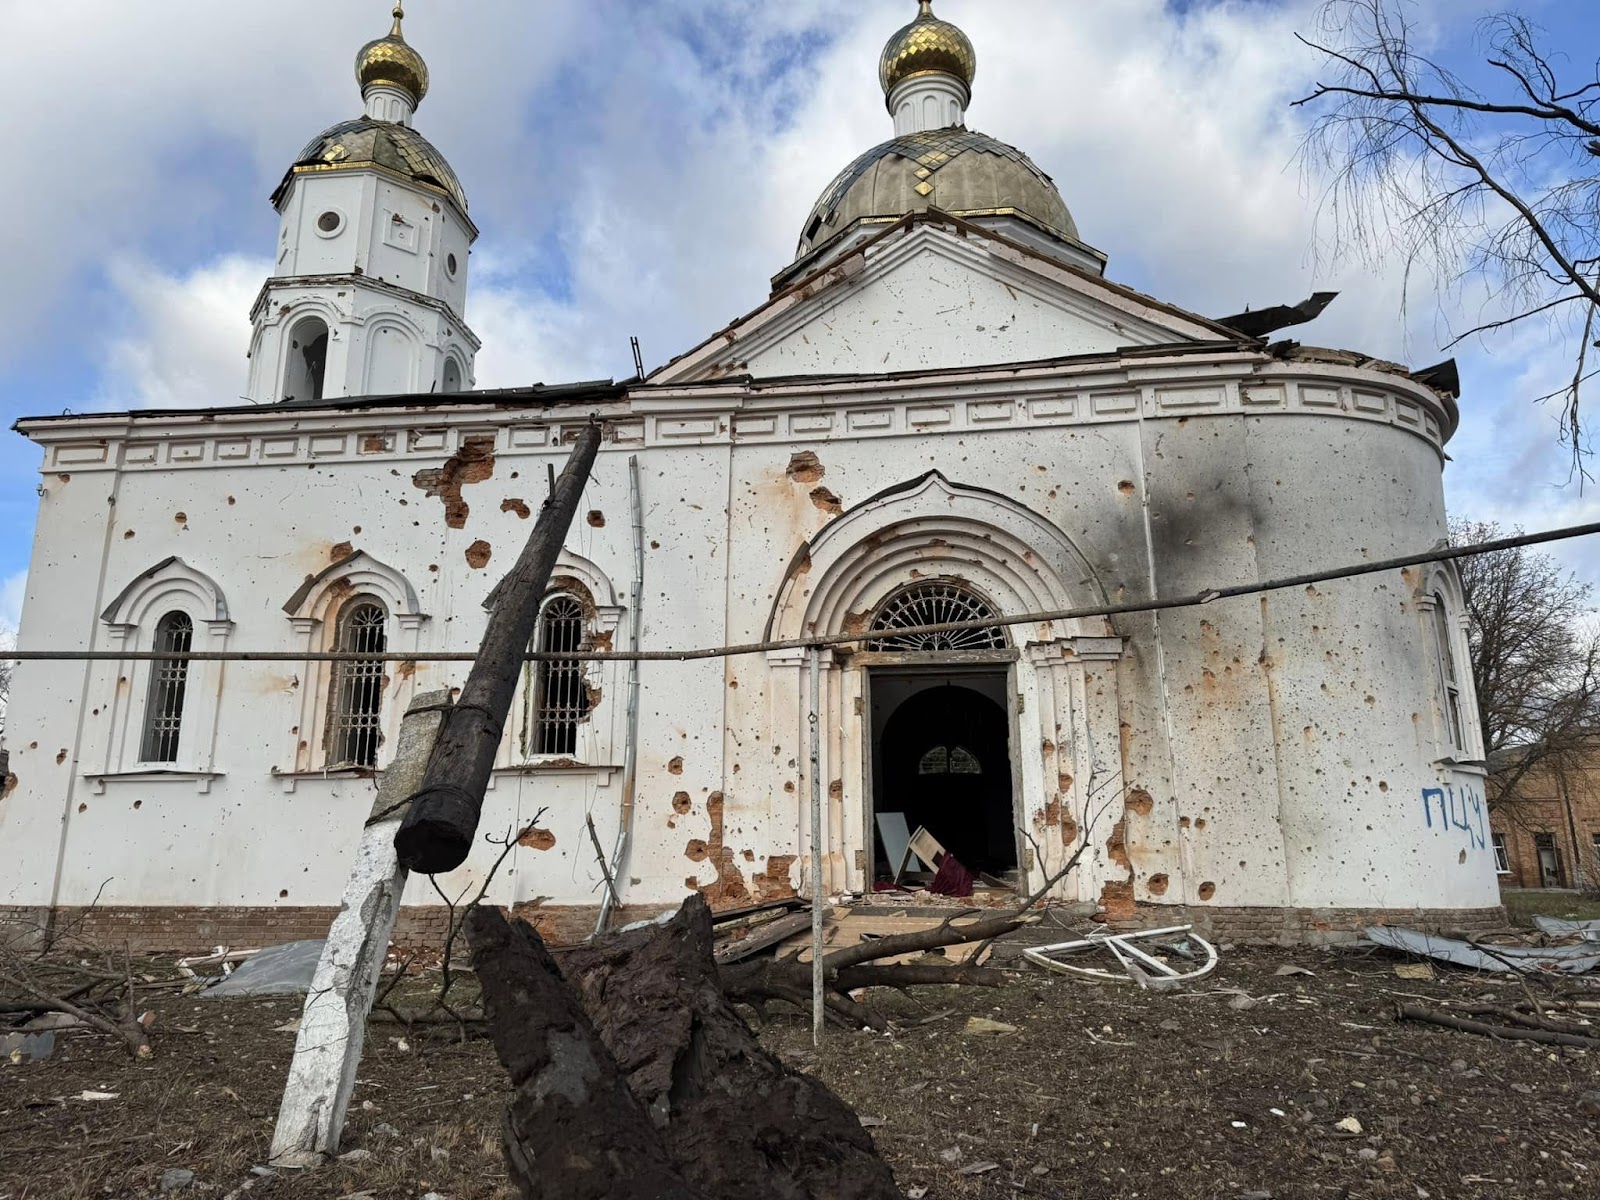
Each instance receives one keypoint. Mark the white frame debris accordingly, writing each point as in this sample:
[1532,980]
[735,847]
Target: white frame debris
[1137,966]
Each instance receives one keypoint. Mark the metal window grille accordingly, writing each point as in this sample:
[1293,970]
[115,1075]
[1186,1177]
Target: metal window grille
[559,696]
[1449,688]
[950,760]
[354,726]
[163,712]
[935,603]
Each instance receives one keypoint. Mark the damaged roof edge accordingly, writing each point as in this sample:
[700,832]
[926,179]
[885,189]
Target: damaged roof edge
[537,395]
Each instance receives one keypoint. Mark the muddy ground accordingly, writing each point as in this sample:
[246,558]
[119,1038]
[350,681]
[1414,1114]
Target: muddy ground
[1102,1091]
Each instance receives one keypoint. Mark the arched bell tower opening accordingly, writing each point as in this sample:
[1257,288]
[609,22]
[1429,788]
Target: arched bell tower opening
[306,371]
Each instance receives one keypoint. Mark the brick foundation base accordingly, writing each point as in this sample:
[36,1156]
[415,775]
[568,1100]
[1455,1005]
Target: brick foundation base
[161,930]
[172,930]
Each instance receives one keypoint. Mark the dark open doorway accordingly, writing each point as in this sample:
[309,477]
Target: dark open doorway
[942,756]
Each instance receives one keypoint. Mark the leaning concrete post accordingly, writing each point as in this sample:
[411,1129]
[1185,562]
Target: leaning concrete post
[334,1024]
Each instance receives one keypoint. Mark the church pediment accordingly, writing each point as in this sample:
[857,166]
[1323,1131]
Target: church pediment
[936,292]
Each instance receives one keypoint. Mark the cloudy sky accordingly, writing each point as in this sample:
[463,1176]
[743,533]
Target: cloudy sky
[643,166]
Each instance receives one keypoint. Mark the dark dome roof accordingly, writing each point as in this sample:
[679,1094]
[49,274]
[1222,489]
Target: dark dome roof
[957,170]
[365,142]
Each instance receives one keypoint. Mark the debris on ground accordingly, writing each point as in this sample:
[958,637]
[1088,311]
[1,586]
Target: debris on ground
[284,970]
[1152,958]
[1576,958]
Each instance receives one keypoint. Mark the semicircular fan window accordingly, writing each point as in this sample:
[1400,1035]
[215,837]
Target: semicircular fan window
[935,603]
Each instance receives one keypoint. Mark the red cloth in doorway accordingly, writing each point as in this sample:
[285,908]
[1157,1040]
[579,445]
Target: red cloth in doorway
[952,879]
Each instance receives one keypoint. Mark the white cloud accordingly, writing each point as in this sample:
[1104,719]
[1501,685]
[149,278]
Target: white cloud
[11,593]
[185,337]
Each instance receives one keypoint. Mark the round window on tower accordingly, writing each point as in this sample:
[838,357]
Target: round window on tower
[450,265]
[330,223]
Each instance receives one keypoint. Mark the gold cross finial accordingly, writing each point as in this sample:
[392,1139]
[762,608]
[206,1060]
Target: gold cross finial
[927,9]
[399,15]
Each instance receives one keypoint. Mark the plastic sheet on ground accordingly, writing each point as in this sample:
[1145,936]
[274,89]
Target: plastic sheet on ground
[1569,960]
[277,971]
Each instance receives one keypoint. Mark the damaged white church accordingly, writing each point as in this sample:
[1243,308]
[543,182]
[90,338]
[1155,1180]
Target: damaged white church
[945,411]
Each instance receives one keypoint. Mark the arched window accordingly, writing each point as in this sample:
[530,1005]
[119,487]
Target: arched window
[355,702]
[307,367]
[558,693]
[1449,681]
[169,677]
[949,760]
[452,376]
[938,602]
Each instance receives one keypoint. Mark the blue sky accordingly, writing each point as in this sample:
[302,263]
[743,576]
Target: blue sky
[643,166]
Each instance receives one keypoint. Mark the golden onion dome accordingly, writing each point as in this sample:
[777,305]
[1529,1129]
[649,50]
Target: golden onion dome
[389,62]
[925,46]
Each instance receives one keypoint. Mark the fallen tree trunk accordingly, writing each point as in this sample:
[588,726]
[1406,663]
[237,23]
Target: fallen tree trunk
[573,1129]
[1415,1012]
[735,1120]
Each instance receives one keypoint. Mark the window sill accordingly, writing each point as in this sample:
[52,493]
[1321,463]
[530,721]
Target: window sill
[291,779]
[200,779]
[1466,766]
[601,772]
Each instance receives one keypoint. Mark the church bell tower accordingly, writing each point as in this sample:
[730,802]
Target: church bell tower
[368,293]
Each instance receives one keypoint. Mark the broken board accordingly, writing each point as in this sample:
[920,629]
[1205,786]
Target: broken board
[843,927]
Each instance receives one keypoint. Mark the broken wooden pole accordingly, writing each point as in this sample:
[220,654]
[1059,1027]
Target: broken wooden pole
[327,1050]
[573,1129]
[442,822]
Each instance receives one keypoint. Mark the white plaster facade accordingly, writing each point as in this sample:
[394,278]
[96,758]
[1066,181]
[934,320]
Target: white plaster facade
[937,404]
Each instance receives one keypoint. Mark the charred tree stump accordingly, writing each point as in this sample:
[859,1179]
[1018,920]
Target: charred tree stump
[442,820]
[573,1129]
[734,1119]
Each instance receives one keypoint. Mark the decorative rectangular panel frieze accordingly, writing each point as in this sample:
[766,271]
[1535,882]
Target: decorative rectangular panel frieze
[1319,397]
[984,412]
[687,427]
[280,447]
[1191,397]
[811,423]
[137,453]
[427,440]
[326,445]
[186,451]
[923,416]
[80,454]
[870,418]
[1046,407]
[627,432]
[1115,403]
[1370,402]
[1406,412]
[377,442]
[1262,396]
[231,449]
[527,437]
[755,426]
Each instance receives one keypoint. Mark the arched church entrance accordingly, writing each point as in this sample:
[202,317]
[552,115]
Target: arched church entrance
[941,737]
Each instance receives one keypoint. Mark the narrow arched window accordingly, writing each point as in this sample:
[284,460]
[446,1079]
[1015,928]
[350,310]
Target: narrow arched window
[452,376]
[558,695]
[356,701]
[938,602]
[1449,682]
[306,371]
[169,677]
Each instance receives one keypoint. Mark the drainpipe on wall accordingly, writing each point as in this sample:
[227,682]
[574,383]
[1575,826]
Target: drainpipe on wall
[630,753]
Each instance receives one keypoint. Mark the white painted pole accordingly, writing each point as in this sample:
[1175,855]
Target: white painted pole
[333,1026]
[814,655]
